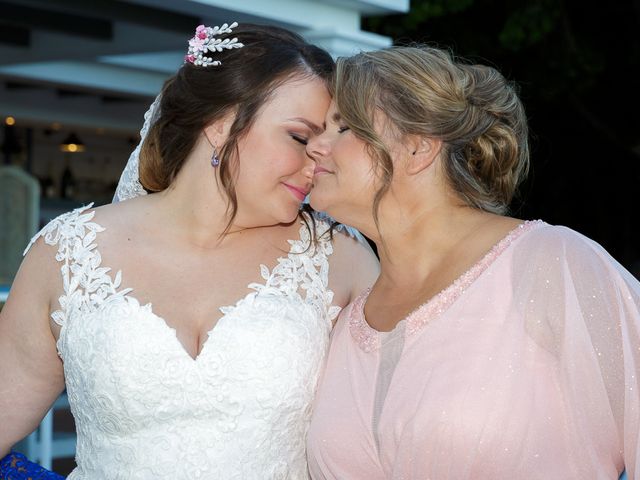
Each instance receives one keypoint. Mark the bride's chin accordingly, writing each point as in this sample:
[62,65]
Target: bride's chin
[288,217]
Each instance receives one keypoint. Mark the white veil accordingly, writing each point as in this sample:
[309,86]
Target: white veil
[129,185]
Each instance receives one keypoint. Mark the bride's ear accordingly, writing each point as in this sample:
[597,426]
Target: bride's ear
[217,131]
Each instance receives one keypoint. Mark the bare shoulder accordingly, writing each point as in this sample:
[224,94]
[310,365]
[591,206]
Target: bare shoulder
[53,242]
[39,272]
[122,214]
[121,222]
[354,266]
[347,245]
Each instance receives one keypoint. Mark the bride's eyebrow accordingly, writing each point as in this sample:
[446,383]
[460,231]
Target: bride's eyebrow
[314,128]
[336,117]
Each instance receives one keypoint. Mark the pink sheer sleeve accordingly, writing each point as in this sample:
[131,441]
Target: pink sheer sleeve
[583,307]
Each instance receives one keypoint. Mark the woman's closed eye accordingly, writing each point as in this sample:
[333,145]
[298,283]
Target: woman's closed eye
[343,129]
[299,139]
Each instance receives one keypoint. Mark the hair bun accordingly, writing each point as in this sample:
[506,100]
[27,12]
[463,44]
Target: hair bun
[494,159]
[497,148]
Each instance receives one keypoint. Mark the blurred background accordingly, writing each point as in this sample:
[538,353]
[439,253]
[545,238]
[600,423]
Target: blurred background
[577,64]
[76,77]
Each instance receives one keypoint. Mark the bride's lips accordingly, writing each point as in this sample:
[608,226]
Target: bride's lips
[297,192]
[320,170]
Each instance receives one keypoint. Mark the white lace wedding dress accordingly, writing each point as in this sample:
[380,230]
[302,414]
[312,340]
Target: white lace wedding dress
[145,409]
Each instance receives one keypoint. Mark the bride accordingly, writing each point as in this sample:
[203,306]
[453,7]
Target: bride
[189,325]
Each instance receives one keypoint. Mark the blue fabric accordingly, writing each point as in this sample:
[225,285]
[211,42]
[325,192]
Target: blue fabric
[16,466]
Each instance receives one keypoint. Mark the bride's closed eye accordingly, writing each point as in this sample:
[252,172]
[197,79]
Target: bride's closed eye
[343,129]
[299,139]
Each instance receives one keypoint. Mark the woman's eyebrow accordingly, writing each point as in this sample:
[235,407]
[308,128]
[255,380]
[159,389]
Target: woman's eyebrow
[335,118]
[314,128]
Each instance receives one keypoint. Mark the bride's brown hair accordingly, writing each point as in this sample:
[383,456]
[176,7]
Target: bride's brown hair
[196,96]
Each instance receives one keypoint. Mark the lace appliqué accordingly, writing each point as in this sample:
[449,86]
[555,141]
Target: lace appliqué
[85,283]
[369,339]
[16,466]
[305,268]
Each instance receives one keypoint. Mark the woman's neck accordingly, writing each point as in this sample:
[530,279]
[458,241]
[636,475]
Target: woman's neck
[413,242]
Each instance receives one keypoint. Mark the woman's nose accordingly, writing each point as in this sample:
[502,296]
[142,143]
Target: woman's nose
[317,147]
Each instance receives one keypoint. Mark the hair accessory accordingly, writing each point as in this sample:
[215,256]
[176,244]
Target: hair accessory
[215,160]
[204,42]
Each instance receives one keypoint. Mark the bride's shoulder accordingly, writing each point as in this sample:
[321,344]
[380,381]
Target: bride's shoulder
[120,220]
[87,221]
[353,266]
[121,213]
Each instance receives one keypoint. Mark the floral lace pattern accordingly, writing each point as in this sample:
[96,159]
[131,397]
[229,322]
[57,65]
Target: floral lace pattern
[369,339]
[85,283]
[146,409]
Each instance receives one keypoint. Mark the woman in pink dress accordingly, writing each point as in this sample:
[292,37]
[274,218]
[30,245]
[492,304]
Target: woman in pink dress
[489,347]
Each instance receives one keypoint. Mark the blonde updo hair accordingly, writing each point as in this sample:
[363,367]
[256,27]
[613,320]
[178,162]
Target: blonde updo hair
[424,91]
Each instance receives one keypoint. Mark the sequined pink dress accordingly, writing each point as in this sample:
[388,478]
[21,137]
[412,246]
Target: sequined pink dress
[525,368]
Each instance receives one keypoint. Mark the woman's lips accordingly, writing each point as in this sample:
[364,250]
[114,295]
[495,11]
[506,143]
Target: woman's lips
[297,192]
[320,170]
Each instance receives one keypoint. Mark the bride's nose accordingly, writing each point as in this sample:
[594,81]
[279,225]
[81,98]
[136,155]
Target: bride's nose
[309,168]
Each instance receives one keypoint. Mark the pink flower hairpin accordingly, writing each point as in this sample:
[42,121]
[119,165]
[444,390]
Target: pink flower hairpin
[204,42]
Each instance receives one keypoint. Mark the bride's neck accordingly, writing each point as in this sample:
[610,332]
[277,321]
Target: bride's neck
[195,205]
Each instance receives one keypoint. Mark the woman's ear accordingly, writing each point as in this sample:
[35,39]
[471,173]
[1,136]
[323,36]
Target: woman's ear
[217,131]
[422,153]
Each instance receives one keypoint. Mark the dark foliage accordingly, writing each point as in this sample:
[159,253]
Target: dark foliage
[577,64]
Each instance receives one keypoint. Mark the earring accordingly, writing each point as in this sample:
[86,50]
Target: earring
[215,160]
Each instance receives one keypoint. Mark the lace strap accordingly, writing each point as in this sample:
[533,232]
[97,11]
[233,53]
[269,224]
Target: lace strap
[320,259]
[61,230]
[304,269]
[85,283]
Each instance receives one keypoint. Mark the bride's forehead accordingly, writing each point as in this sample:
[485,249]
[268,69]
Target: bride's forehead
[309,100]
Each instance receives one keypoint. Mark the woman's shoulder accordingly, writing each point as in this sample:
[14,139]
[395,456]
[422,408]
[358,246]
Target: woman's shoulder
[546,238]
[82,223]
[559,248]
